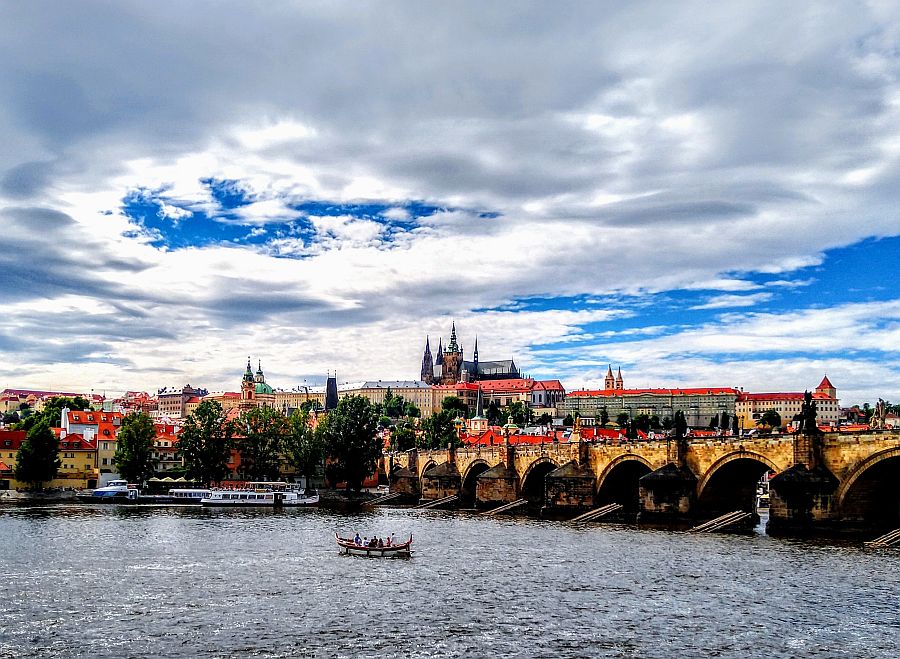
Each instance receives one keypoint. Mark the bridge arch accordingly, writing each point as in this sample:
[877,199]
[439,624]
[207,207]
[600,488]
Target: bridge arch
[428,465]
[619,482]
[533,487]
[730,483]
[470,481]
[871,491]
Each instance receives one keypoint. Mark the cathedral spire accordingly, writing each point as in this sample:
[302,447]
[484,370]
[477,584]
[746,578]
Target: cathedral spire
[453,346]
[427,374]
[619,381]
[248,374]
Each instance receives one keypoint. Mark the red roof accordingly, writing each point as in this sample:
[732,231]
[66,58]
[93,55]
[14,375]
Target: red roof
[782,395]
[74,442]
[825,384]
[90,417]
[5,467]
[512,384]
[459,386]
[549,385]
[14,437]
[658,392]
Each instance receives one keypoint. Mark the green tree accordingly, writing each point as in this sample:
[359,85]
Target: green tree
[654,422]
[134,448]
[261,431]
[667,423]
[205,443]
[545,419]
[403,437]
[770,418]
[394,406]
[622,419]
[569,421]
[310,405]
[714,422]
[493,413]
[412,411]
[604,417]
[438,430]
[349,432]
[642,423]
[304,447]
[38,458]
[455,404]
[520,412]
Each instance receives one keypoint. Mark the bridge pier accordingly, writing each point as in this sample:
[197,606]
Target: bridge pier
[667,495]
[801,501]
[441,482]
[496,486]
[570,489]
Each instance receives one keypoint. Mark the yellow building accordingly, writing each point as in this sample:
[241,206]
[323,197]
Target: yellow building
[77,457]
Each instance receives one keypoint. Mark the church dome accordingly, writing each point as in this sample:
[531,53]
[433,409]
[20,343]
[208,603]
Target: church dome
[263,388]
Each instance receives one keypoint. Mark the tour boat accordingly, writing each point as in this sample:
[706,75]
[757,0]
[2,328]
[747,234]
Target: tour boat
[349,547]
[123,492]
[275,495]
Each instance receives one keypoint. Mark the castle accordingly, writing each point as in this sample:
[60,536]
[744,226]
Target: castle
[448,366]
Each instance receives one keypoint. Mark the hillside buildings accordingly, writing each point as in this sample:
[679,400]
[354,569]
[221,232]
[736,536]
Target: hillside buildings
[449,365]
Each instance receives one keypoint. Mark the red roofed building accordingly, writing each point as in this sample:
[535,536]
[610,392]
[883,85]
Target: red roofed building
[699,404]
[750,407]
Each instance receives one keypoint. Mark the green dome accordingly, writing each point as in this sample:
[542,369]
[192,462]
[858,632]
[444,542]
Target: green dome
[263,388]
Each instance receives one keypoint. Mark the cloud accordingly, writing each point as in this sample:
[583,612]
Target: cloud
[443,160]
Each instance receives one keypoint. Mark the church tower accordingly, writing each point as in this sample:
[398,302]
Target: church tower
[475,361]
[452,362]
[248,388]
[609,382]
[619,383]
[427,365]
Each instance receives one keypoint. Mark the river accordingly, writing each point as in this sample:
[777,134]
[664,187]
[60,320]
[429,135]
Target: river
[82,581]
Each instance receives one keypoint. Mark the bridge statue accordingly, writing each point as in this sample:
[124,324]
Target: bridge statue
[878,417]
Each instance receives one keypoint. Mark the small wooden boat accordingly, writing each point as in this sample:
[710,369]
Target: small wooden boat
[349,547]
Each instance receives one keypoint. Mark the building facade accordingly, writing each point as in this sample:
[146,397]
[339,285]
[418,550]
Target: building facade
[698,404]
[750,407]
[449,365]
[171,401]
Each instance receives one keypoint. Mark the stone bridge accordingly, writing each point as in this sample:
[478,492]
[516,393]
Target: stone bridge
[662,481]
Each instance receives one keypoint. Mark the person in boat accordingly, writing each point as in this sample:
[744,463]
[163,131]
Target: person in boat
[373,542]
[380,543]
[393,539]
[387,541]
[356,540]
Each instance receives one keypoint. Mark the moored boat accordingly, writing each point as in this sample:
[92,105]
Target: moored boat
[273,495]
[348,546]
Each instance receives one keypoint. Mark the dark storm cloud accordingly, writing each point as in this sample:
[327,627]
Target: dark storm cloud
[45,253]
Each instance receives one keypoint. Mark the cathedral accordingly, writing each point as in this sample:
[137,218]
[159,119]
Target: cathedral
[448,366]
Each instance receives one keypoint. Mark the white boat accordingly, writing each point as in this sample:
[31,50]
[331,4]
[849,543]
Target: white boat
[274,495]
[349,547]
[116,491]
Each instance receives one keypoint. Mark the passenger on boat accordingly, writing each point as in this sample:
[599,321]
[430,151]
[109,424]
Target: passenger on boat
[387,542]
[393,539]
[373,542]
[380,543]
[356,540]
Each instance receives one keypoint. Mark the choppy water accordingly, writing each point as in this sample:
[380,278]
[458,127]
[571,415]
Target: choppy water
[141,582]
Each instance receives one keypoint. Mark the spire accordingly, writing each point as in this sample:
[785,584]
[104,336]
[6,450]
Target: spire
[248,374]
[479,405]
[427,374]
[439,358]
[453,346]
[609,382]
[619,382]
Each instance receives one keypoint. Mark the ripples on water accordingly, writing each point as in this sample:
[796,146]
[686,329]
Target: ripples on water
[141,582]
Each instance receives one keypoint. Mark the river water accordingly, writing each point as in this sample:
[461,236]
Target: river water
[187,582]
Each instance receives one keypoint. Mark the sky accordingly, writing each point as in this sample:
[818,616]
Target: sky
[700,193]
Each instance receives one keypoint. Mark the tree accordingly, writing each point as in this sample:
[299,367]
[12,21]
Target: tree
[134,448]
[394,406]
[545,419]
[403,437]
[263,430]
[568,420]
[412,411]
[438,430]
[642,423]
[714,422]
[205,443]
[350,440]
[521,414]
[770,418]
[309,405]
[38,458]
[493,413]
[455,404]
[604,417]
[724,421]
[654,422]
[667,423]
[304,447]
[622,419]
